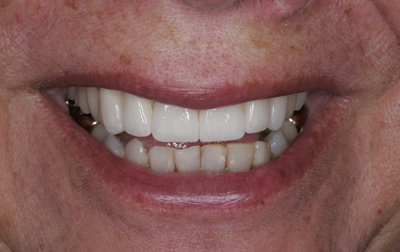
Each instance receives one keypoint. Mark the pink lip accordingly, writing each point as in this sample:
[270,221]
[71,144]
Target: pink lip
[199,97]
[132,185]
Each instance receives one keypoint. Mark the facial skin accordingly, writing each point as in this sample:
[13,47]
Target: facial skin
[62,191]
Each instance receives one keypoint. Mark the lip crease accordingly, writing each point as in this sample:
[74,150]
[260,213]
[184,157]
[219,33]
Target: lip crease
[212,192]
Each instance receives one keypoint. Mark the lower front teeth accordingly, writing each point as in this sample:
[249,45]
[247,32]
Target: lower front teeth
[232,157]
[117,112]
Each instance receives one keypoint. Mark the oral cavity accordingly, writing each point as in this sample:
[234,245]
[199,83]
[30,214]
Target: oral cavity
[166,138]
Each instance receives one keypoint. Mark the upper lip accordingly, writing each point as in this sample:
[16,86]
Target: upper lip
[198,97]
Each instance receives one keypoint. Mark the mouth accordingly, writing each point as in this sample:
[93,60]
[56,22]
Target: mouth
[166,138]
[164,157]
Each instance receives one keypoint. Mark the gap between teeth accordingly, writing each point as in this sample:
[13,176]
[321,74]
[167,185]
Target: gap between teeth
[122,112]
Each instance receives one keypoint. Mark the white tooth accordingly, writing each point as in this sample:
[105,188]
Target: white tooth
[135,152]
[162,159]
[175,124]
[111,110]
[138,115]
[99,133]
[213,157]
[262,154]
[93,96]
[290,106]
[76,97]
[114,145]
[278,112]
[71,93]
[278,143]
[83,100]
[257,115]
[289,130]
[301,98]
[188,160]
[239,157]
[222,124]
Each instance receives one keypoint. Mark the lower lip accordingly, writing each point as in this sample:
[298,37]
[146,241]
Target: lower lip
[119,180]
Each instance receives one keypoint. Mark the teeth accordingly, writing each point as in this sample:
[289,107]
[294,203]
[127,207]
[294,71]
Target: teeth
[71,93]
[278,143]
[92,94]
[140,117]
[99,133]
[83,104]
[162,159]
[234,157]
[76,97]
[135,152]
[257,115]
[188,160]
[278,112]
[222,124]
[114,145]
[239,157]
[290,106]
[116,112]
[262,154]
[300,100]
[175,124]
[111,110]
[213,157]
[137,115]
[289,131]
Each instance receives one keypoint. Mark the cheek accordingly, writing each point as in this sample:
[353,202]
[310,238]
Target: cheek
[390,9]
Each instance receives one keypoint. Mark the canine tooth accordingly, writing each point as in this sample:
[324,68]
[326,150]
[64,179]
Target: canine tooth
[175,124]
[99,133]
[289,131]
[188,160]
[257,115]
[262,154]
[290,105]
[135,152]
[222,124]
[213,157]
[278,143]
[93,97]
[111,110]
[162,159]
[83,104]
[137,115]
[71,93]
[114,145]
[239,157]
[301,98]
[278,112]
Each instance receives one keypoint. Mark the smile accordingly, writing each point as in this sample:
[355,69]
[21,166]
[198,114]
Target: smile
[166,138]
[215,153]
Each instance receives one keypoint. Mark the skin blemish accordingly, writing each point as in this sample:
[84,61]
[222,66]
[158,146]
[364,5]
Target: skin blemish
[71,4]
[125,59]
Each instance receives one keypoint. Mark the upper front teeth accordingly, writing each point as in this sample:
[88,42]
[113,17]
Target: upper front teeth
[120,112]
[175,124]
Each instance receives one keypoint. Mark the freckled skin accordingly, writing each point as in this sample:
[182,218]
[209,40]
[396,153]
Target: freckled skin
[351,47]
